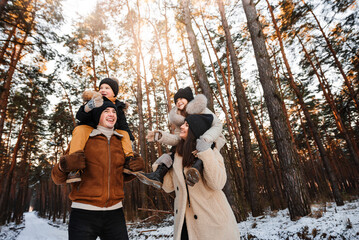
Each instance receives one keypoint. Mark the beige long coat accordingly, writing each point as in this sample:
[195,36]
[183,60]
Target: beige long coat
[209,215]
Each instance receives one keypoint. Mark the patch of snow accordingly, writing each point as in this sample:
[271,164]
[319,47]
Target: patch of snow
[40,229]
[327,221]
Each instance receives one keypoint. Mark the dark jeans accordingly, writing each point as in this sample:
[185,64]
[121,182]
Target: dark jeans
[87,225]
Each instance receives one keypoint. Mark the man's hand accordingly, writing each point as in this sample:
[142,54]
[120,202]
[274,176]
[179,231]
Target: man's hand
[136,163]
[73,161]
[96,101]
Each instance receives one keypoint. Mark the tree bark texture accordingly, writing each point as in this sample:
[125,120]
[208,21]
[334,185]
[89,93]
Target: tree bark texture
[296,193]
[202,75]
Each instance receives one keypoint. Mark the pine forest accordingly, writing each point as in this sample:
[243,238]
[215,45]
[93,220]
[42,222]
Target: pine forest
[281,75]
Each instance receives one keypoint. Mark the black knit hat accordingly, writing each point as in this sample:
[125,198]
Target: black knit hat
[199,123]
[112,83]
[184,93]
[98,111]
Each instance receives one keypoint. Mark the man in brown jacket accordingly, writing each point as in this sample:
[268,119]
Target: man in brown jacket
[97,199]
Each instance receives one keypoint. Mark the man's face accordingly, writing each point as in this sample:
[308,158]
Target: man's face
[108,118]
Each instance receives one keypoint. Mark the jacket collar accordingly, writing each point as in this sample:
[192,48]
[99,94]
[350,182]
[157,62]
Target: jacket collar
[97,132]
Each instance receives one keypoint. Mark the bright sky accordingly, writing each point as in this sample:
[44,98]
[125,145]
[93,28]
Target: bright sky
[73,8]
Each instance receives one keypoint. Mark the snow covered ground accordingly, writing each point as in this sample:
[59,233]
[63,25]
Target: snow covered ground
[327,221]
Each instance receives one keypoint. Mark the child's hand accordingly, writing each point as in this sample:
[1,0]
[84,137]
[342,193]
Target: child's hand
[96,101]
[202,145]
[153,136]
[165,159]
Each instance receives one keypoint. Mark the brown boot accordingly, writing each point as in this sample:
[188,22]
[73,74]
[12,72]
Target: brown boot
[193,174]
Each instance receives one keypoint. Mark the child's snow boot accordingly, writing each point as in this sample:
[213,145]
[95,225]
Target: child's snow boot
[155,178]
[193,174]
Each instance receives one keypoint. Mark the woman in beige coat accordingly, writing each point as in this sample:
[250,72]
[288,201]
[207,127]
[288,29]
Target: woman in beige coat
[186,104]
[201,211]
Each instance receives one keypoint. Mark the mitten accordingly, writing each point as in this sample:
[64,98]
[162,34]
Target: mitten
[73,161]
[153,136]
[165,159]
[202,145]
[136,163]
[96,101]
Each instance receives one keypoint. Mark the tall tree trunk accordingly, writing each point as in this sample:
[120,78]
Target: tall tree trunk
[152,155]
[104,60]
[188,65]
[70,105]
[8,41]
[2,6]
[8,179]
[165,80]
[202,76]
[296,193]
[317,138]
[170,62]
[15,58]
[240,93]
[277,77]
[93,62]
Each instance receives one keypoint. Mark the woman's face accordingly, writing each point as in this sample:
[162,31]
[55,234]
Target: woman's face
[184,130]
[181,103]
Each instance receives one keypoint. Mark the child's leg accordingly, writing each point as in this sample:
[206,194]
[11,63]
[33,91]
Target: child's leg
[126,143]
[155,178]
[80,136]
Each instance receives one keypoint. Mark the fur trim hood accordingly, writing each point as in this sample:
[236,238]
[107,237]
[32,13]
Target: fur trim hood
[196,106]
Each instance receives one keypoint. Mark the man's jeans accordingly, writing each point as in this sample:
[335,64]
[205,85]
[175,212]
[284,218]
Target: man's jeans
[86,224]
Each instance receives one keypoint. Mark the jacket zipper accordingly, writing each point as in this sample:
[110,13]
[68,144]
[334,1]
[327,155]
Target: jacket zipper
[109,170]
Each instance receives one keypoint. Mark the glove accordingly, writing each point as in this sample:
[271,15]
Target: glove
[153,136]
[73,161]
[96,101]
[202,145]
[165,159]
[136,163]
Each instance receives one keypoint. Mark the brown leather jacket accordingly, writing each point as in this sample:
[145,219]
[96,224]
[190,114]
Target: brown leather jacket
[102,179]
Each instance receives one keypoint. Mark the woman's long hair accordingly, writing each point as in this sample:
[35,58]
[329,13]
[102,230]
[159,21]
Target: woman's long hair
[186,147]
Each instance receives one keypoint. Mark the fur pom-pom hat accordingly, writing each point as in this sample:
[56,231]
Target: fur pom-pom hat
[112,82]
[184,93]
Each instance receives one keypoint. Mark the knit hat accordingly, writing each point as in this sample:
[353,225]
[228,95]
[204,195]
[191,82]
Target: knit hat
[112,82]
[184,93]
[199,123]
[98,111]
